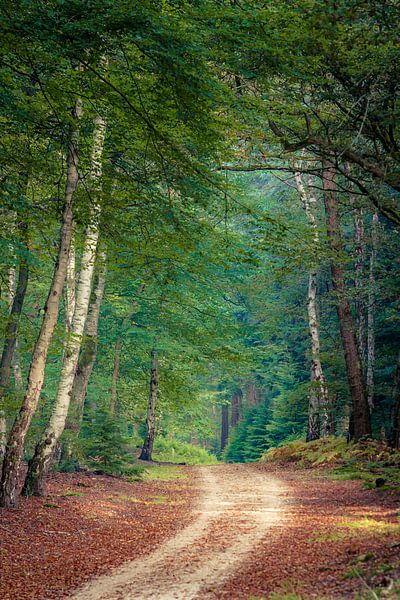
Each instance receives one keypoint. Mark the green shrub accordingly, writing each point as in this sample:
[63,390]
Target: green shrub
[166,450]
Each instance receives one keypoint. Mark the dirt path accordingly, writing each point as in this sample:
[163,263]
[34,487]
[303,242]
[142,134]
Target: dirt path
[237,507]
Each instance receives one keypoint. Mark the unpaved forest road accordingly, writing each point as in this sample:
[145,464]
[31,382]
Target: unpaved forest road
[236,507]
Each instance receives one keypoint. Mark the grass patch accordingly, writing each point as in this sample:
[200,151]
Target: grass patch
[71,493]
[163,473]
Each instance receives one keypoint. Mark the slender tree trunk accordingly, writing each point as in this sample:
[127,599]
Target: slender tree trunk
[40,462]
[395,438]
[88,352]
[371,314]
[16,361]
[359,281]
[17,296]
[147,449]
[115,375]
[236,403]
[13,456]
[360,408]
[224,425]
[69,301]
[319,413]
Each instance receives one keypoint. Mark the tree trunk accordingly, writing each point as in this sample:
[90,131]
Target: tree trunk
[69,301]
[40,462]
[88,352]
[224,425]
[147,449]
[319,413]
[395,438]
[13,456]
[359,282]
[360,408]
[371,314]
[17,295]
[115,375]
[235,407]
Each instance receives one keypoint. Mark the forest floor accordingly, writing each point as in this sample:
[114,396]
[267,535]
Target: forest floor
[215,532]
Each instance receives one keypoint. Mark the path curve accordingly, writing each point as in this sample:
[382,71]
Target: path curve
[237,507]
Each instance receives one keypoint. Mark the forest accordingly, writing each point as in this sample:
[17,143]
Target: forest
[200,212]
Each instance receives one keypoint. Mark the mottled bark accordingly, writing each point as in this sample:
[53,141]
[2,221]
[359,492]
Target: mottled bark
[224,425]
[13,455]
[88,352]
[236,403]
[359,281]
[41,460]
[69,298]
[147,450]
[371,313]
[319,413]
[360,408]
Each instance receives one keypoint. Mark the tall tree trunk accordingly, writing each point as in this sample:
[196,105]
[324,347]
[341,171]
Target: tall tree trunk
[319,413]
[359,281]
[371,313]
[224,425]
[115,375]
[16,361]
[40,462]
[13,455]
[69,300]
[18,292]
[235,407]
[395,437]
[147,449]
[360,408]
[88,352]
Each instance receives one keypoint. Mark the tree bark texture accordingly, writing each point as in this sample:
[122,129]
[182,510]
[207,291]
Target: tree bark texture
[371,313]
[359,281]
[10,342]
[13,455]
[360,408]
[224,425]
[319,413]
[147,450]
[40,462]
[88,352]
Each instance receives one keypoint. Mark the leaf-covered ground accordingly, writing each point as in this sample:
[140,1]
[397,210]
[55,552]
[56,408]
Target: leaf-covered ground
[332,539]
[84,526]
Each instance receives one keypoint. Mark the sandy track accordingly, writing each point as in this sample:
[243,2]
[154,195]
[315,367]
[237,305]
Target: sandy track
[236,508]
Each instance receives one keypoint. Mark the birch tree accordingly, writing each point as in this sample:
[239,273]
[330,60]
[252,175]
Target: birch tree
[147,450]
[15,445]
[319,421]
[371,312]
[40,462]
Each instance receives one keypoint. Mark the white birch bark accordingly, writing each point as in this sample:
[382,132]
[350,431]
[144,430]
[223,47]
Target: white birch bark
[371,313]
[319,418]
[359,281]
[40,463]
[13,457]
[70,288]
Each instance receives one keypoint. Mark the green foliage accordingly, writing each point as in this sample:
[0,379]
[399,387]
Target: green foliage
[103,446]
[167,450]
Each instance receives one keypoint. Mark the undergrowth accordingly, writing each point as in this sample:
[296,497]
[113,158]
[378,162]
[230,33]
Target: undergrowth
[372,461]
